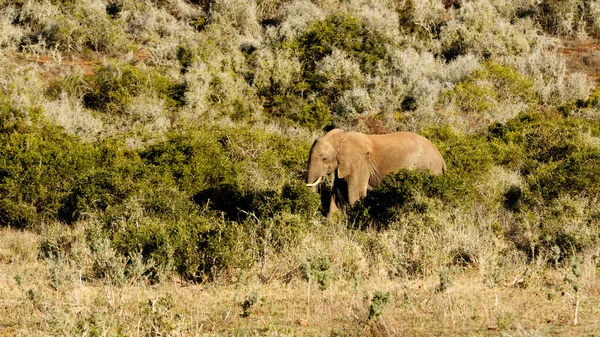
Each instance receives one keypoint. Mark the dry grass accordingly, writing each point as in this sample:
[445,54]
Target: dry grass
[450,271]
[529,301]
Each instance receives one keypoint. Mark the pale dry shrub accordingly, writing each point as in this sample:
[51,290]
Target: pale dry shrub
[148,113]
[342,248]
[267,9]
[552,82]
[96,29]
[352,103]
[409,76]
[378,16]
[340,71]
[198,78]
[566,17]
[162,54]
[10,35]
[426,14]
[38,15]
[151,23]
[588,138]
[461,67]
[275,69]
[73,117]
[215,90]
[180,9]
[238,14]
[594,15]
[295,17]
[22,86]
[74,26]
[466,238]
[496,182]
[406,86]
[577,86]
[478,28]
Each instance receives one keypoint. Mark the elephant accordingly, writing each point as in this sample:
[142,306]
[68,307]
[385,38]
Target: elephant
[361,161]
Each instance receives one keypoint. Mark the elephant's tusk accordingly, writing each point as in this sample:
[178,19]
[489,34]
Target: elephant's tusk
[315,183]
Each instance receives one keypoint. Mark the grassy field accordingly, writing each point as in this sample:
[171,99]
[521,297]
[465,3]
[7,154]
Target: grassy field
[530,301]
[153,159]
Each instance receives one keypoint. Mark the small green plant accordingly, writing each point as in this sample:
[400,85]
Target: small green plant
[445,275]
[249,304]
[318,268]
[378,303]
[19,280]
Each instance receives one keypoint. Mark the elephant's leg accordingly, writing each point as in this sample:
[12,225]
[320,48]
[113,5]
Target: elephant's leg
[338,197]
[357,187]
[333,207]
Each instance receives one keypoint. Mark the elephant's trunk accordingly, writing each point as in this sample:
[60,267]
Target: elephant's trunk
[312,180]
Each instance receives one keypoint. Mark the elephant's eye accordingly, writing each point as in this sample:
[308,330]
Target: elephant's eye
[324,158]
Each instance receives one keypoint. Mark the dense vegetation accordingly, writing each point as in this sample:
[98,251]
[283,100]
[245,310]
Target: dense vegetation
[159,137]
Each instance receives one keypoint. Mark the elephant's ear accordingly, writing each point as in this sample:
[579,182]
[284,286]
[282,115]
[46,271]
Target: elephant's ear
[353,153]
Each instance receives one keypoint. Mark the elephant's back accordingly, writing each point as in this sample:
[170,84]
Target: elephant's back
[408,150]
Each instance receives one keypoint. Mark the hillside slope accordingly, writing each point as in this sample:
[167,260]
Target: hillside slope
[153,157]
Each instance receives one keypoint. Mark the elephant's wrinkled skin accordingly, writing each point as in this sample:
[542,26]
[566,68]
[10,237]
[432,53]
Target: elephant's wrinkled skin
[362,161]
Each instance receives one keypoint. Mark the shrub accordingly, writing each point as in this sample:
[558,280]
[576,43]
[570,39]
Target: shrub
[379,301]
[309,100]
[318,268]
[489,87]
[37,172]
[70,25]
[478,28]
[550,152]
[114,86]
[557,232]
[582,16]
[311,113]
[343,32]
[193,159]
[237,204]
[165,245]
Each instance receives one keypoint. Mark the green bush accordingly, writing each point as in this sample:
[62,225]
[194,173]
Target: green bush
[574,175]
[112,88]
[488,87]
[37,171]
[193,159]
[314,114]
[238,204]
[549,151]
[344,32]
[557,232]
[165,245]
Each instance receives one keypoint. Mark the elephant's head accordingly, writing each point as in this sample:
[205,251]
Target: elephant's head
[338,150]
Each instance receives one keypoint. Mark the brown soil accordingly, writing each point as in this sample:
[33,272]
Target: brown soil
[583,56]
[68,63]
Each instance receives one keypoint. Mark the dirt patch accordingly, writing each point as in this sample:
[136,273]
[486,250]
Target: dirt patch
[68,63]
[583,56]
